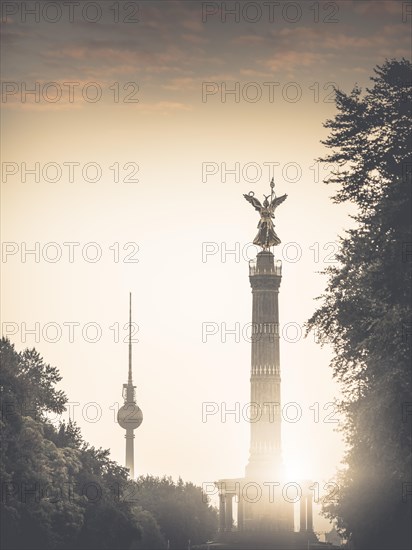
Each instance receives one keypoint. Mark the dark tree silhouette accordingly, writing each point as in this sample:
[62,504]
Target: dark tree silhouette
[60,493]
[181,509]
[366,308]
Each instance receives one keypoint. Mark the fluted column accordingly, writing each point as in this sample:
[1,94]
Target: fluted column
[229,512]
[309,513]
[222,512]
[302,526]
[240,513]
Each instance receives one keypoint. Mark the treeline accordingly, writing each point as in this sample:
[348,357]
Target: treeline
[366,308]
[60,493]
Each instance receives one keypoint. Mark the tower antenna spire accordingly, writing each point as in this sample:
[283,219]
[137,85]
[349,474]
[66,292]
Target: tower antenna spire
[130,415]
[130,338]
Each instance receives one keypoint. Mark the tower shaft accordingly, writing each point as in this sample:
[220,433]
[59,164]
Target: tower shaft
[129,378]
[265,440]
[130,451]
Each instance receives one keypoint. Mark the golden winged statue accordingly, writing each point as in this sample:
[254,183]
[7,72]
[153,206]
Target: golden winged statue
[266,236]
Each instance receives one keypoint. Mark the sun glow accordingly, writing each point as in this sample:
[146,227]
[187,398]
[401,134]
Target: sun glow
[296,470]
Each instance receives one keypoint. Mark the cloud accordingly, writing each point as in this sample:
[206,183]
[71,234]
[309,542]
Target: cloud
[194,39]
[194,25]
[164,107]
[382,7]
[101,62]
[172,49]
[311,39]
[290,60]
[254,73]
[248,39]
[38,107]
[183,83]
[64,104]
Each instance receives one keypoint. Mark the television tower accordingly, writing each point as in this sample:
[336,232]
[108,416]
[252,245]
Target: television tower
[130,416]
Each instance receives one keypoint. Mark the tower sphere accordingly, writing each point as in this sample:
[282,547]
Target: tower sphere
[130,416]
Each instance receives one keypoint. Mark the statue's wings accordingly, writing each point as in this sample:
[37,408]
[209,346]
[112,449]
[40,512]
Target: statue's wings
[254,202]
[275,203]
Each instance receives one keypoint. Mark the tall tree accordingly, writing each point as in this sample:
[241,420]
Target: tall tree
[57,491]
[366,308]
[60,493]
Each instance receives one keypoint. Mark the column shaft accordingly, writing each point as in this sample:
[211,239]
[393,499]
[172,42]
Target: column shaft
[222,512]
[265,433]
[240,513]
[303,513]
[309,520]
[229,512]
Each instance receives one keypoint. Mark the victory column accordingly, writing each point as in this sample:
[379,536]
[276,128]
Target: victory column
[264,515]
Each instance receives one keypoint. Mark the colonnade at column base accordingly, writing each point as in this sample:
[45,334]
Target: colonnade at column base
[264,518]
[260,507]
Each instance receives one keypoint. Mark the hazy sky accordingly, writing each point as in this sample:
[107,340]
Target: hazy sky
[141,155]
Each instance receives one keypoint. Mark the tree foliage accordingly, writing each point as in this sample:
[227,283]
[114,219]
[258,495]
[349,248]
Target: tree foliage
[365,311]
[181,509]
[60,493]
